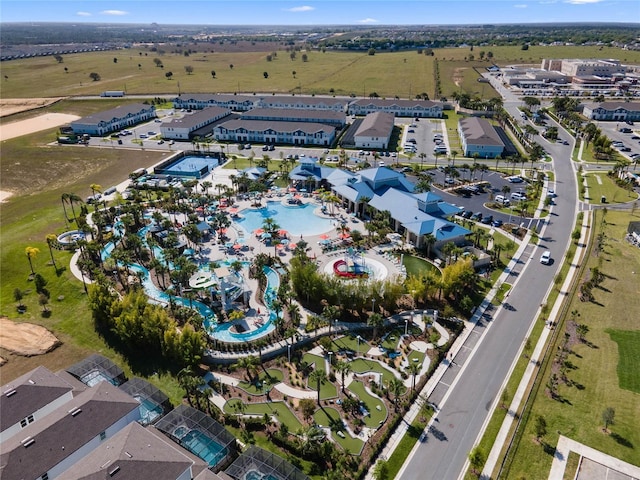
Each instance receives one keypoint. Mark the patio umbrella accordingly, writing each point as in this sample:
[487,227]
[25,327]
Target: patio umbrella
[283,233]
[233,210]
[303,190]
[265,235]
[344,236]
[293,189]
[324,236]
[279,246]
[258,231]
[293,246]
[222,231]
[200,209]
[237,246]
[284,241]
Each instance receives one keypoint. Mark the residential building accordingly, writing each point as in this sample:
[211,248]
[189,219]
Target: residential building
[30,398]
[374,131]
[478,136]
[113,120]
[400,108]
[303,102]
[183,128]
[198,101]
[326,116]
[263,131]
[48,447]
[613,111]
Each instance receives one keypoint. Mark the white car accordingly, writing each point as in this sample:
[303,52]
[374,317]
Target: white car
[545,258]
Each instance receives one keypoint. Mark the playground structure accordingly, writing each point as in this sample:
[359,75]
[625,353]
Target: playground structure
[352,266]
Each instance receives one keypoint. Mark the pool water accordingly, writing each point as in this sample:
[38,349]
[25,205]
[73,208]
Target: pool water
[91,379]
[190,166]
[256,475]
[207,449]
[298,220]
[149,411]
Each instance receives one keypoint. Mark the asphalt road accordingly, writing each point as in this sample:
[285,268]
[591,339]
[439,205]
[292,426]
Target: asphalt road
[473,382]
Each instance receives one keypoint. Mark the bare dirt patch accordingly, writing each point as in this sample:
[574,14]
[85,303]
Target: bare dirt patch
[9,106]
[4,196]
[458,76]
[26,339]
[36,124]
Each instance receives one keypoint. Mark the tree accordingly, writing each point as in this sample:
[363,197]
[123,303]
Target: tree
[371,52]
[608,416]
[43,300]
[231,66]
[213,74]
[115,60]
[168,75]
[375,320]
[344,368]
[319,378]
[307,408]
[540,427]
[18,295]
[381,470]
[293,73]
[158,62]
[51,241]
[188,69]
[305,57]
[31,253]
[58,58]
[396,388]
[265,74]
[476,460]
[414,369]
[94,76]
[250,364]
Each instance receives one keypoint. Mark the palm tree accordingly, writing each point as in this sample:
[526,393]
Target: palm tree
[95,188]
[64,198]
[375,320]
[414,370]
[396,388]
[73,198]
[429,240]
[319,377]
[344,368]
[330,313]
[250,363]
[51,241]
[31,253]
[454,154]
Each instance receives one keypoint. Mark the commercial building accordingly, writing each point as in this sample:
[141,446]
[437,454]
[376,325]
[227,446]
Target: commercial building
[613,111]
[198,101]
[334,118]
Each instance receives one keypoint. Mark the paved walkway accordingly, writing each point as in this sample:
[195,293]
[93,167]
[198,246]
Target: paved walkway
[566,445]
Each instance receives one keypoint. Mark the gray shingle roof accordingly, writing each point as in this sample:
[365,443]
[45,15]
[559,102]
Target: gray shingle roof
[62,433]
[478,131]
[264,125]
[284,113]
[378,124]
[192,119]
[113,113]
[133,453]
[32,392]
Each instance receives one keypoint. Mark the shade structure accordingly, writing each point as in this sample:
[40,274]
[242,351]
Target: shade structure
[344,236]
[233,210]
[265,235]
[324,236]
[222,230]
[283,233]
[293,189]
[237,246]
[258,231]
[280,246]
[293,246]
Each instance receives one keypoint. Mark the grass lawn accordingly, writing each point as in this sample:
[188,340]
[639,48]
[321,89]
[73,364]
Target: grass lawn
[324,416]
[417,266]
[391,340]
[599,363]
[416,357]
[361,365]
[351,343]
[607,187]
[278,409]
[629,360]
[371,403]
[328,389]
[270,377]
[406,444]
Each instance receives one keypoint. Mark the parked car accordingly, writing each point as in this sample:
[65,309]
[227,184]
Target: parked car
[497,223]
[477,216]
[411,130]
[265,148]
[487,220]
[466,214]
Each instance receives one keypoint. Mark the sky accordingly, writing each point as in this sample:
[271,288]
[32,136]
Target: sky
[325,12]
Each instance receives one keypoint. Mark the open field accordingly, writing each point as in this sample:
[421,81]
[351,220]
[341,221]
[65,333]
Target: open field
[600,184]
[601,369]
[403,74]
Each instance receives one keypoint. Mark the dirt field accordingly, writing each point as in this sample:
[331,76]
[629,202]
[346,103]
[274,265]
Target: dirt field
[9,106]
[36,124]
[26,338]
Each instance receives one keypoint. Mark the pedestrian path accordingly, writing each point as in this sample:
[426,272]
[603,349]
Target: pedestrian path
[613,467]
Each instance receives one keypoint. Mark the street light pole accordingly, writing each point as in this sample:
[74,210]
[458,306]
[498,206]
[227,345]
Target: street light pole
[289,352]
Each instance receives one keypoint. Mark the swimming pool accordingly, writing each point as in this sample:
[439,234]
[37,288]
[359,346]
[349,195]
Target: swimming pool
[149,411]
[204,447]
[256,475]
[297,220]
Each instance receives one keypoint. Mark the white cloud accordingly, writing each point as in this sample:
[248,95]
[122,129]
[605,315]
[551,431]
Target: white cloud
[521,5]
[548,2]
[83,14]
[303,8]
[368,20]
[116,13]
[582,2]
